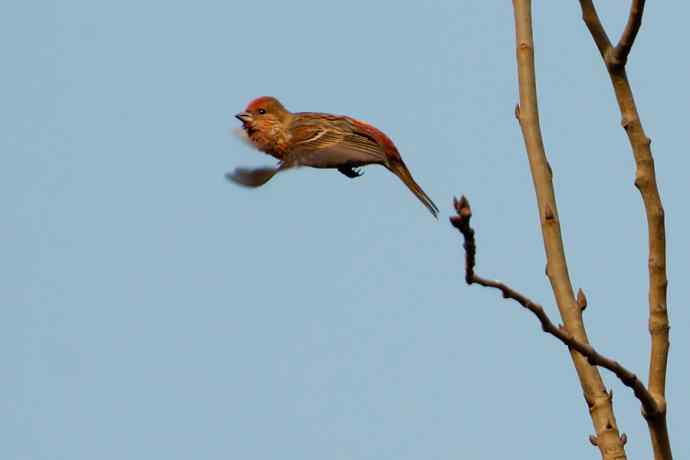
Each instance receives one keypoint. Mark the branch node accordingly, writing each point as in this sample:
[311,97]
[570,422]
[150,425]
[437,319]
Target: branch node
[517,111]
[613,59]
[581,300]
[548,212]
[626,122]
[617,58]
[524,46]
[593,440]
[624,439]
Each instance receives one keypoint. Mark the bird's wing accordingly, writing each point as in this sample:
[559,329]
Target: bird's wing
[328,141]
[256,177]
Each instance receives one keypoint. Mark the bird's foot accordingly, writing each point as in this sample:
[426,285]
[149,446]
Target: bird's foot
[351,172]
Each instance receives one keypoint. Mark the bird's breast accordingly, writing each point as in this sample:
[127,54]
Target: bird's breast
[269,139]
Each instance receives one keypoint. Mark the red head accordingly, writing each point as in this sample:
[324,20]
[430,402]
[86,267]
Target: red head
[264,110]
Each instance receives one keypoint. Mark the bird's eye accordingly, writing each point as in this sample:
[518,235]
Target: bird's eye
[262,111]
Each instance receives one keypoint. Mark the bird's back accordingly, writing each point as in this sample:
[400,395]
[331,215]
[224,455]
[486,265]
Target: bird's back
[349,125]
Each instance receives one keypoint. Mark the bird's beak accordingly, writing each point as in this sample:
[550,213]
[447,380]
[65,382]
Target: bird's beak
[244,117]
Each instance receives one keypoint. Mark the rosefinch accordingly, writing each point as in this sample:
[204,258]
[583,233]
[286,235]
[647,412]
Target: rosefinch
[319,140]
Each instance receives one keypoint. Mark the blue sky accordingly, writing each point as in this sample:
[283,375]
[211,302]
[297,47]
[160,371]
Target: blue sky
[153,310]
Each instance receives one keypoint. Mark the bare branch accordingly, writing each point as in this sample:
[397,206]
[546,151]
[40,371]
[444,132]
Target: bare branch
[462,222]
[630,32]
[601,411]
[645,181]
[591,18]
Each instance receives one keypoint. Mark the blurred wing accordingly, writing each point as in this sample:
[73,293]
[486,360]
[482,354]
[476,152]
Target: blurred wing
[333,143]
[251,177]
[255,177]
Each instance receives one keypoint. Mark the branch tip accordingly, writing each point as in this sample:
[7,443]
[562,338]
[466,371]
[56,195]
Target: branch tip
[462,206]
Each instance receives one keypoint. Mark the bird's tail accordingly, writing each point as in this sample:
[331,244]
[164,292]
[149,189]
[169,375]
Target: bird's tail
[398,168]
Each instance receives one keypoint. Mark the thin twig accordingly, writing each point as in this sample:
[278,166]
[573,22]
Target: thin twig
[462,222]
[591,18]
[630,32]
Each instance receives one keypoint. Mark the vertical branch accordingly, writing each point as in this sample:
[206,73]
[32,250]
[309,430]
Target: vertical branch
[598,399]
[645,181]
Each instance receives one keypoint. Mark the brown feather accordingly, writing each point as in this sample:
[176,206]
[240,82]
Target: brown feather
[251,177]
[256,177]
[327,141]
[319,140]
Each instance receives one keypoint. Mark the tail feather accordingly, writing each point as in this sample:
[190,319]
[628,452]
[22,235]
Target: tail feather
[399,169]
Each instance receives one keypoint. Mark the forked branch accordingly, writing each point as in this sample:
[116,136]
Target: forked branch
[645,180]
[461,221]
[630,32]
[613,56]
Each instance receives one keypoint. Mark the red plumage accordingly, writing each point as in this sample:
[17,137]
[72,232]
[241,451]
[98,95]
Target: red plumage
[319,140]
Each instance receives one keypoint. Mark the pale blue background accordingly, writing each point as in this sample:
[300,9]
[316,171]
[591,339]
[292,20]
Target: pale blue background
[151,310]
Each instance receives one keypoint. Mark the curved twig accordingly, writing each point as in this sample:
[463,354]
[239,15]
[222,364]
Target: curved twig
[630,32]
[462,222]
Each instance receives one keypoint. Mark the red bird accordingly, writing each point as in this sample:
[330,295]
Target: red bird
[319,140]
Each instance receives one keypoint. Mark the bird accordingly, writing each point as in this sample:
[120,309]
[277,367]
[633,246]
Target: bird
[318,140]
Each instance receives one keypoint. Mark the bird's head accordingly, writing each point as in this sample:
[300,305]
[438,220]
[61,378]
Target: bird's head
[263,113]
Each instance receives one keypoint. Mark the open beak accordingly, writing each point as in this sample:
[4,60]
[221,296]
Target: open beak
[244,117]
